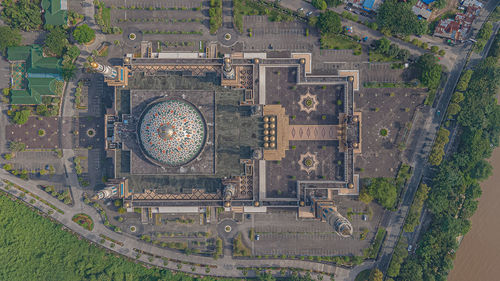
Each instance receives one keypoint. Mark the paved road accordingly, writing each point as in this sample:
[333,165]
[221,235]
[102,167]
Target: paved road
[475,59]
[395,221]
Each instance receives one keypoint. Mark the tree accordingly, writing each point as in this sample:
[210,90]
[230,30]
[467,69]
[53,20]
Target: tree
[429,70]
[383,190]
[21,117]
[83,34]
[457,97]
[382,45]
[8,38]
[56,41]
[22,14]
[464,80]
[73,52]
[329,22]
[333,3]
[453,109]
[439,4]
[411,271]
[376,275]
[482,170]
[398,18]
[319,4]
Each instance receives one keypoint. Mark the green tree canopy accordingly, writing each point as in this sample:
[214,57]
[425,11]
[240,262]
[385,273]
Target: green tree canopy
[319,4]
[329,22]
[8,38]
[22,14]
[429,70]
[83,34]
[398,18]
[56,41]
[21,117]
[381,189]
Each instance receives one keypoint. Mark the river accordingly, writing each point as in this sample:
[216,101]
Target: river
[478,257]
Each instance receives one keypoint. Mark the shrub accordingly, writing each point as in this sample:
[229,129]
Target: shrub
[83,34]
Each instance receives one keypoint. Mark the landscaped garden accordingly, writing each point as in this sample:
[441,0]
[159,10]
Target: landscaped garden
[84,221]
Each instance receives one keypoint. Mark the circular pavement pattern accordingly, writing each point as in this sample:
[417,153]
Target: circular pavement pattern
[222,37]
[172,132]
[138,36]
[224,225]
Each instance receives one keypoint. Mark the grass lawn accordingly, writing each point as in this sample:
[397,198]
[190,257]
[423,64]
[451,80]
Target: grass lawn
[363,275]
[338,42]
[374,56]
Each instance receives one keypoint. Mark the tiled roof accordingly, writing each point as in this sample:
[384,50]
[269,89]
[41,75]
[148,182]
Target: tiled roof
[55,12]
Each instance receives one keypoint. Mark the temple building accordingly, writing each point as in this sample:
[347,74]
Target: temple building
[246,132]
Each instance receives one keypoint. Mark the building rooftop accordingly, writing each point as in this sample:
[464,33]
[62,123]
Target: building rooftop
[56,11]
[35,76]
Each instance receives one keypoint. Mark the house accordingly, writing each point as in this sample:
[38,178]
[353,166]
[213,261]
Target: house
[56,11]
[33,75]
[367,5]
[422,9]
[458,29]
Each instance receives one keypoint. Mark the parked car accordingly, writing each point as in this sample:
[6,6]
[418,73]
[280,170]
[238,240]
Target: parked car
[309,14]
[348,8]
[300,9]
[257,237]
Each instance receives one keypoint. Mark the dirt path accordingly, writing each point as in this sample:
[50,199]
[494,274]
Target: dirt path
[451,5]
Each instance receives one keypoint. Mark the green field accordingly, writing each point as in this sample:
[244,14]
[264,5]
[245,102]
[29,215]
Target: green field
[35,248]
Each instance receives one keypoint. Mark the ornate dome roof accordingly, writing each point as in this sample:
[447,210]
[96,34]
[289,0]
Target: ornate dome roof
[171,132]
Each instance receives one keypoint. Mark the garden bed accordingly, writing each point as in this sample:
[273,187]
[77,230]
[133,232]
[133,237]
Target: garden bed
[84,221]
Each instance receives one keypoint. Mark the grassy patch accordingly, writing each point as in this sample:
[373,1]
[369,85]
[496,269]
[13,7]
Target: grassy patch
[339,42]
[377,243]
[363,275]
[239,249]
[84,221]
[215,13]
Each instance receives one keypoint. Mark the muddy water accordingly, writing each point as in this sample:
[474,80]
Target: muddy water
[478,257]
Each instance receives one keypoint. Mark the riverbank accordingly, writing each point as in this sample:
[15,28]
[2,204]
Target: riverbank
[479,254]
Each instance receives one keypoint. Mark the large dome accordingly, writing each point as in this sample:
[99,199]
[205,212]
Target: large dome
[171,132]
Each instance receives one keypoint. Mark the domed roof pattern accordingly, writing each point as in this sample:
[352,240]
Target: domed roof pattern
[172,132]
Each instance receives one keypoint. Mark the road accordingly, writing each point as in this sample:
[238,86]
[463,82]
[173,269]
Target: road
[395,221]
[475,59]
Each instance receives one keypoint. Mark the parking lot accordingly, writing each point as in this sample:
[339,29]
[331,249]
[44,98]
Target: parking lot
[170,20]
[284,233]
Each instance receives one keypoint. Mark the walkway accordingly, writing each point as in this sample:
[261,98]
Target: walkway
[227,266]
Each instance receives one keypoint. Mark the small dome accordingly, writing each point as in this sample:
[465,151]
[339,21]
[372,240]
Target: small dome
[266,126]
[266,119]
[272,132]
